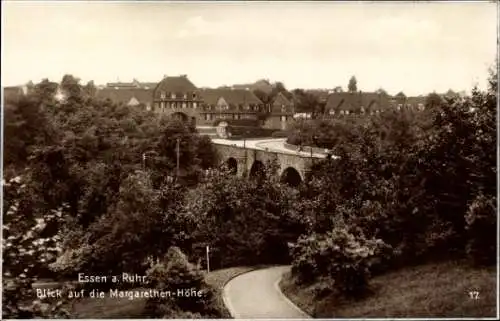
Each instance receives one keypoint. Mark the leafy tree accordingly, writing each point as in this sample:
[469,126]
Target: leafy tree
[306,101]
[381,91]
[433,101]
[30,242]
[244,221]
[90,89]
[338,89]
[352,86]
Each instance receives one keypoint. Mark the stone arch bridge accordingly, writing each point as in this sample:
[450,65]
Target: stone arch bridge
[249,160]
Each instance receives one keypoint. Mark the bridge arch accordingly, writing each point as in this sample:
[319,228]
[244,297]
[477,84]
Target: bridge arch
[180,116]
[257,170]
[291,177]
[232,165]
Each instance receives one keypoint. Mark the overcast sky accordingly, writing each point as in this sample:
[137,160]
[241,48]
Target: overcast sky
[413,47]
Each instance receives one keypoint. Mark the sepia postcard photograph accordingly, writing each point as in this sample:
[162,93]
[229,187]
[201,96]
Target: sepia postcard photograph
[249,160]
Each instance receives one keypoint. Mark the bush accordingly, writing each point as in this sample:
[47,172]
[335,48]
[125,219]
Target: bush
[175,273]
[345,257]
[481,220]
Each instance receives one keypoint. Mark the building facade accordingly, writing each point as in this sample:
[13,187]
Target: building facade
[281,113]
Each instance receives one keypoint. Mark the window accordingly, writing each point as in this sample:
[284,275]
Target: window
[194,105]
[194,96]
[173,96]
[283,109]
[283,118]
[185,96]
[162,106]
[399,106]
[184,105]
[162,95]
[347,112]
[173,105]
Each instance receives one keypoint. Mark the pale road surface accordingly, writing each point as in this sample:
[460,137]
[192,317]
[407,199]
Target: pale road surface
[256,294]
[272,145]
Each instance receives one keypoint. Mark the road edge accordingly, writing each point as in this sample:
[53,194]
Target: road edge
[277,287]
[224,296]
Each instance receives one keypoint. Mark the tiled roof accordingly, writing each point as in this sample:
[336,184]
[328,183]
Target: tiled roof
[233,97]
[320,95]
[177,85]
[262,84]
[144,96]
[280,101]
[120,84]
[354,101]
[148,85]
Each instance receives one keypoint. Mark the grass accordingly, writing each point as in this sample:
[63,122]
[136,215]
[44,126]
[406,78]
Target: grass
[123,308]
[431,290]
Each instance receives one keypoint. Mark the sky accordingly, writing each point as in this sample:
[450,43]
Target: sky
[412,47]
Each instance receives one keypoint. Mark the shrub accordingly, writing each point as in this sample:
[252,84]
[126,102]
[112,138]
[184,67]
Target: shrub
[30,244]
[175,273]
[481,228]
[345,257]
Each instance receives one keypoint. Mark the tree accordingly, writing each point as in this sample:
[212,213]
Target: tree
[90,89]
[381,91]
[306,101]
[433,100]
[401,95]
[338,89]
[352,86]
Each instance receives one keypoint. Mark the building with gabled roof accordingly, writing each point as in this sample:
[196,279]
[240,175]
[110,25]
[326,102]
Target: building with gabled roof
[128,97]
[134,84]
[356,103]
[230,104]
[281,113]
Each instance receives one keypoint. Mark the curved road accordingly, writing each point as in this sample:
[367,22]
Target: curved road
[256,294]
[270,144]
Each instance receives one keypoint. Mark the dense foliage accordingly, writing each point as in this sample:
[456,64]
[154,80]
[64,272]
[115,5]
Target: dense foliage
[107,170]
[423,183]
[92,186]
[244,222]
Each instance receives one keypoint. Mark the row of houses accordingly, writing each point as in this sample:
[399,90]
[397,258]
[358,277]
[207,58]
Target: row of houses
[178,96]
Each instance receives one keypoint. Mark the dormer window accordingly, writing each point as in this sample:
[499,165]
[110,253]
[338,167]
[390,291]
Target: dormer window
[162,95]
